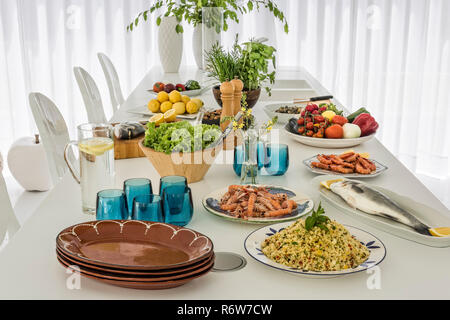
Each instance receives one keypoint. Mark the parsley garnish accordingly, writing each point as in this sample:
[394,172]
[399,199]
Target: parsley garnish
[317,219]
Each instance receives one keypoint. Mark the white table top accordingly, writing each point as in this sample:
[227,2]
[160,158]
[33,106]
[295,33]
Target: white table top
[29,269]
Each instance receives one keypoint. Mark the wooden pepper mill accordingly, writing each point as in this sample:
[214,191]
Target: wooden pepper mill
[237,97]
[227,96]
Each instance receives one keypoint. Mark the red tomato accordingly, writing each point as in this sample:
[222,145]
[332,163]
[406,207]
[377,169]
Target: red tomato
[309,125]
[310,133]
[301,130]
[300,121]
[334,132]
[158,87]
[340,120]
[319,119]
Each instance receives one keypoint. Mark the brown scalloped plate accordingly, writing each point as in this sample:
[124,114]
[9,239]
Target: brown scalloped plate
[143,285]
[120,272]
[134,245]
[138,277]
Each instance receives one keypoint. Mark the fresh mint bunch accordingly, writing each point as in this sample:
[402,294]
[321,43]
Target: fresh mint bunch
[317,219]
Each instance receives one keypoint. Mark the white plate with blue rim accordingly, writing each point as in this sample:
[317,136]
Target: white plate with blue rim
[304,206]
[254,240]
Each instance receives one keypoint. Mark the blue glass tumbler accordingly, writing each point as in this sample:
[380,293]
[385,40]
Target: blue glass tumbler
[136,187]
[147,208]
[178,207]
[239,158]
[111,205]
[172,181]
[277,159]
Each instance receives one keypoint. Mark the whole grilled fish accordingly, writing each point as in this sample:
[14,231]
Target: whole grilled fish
[371,201]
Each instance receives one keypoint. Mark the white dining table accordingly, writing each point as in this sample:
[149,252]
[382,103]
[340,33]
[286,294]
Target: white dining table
[29,269]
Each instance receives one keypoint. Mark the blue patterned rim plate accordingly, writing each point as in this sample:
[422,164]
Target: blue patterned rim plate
[304,202]
[380,169]
[253,247]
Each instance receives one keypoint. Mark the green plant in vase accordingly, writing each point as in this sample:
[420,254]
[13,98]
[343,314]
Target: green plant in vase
[191,11]
[250,62]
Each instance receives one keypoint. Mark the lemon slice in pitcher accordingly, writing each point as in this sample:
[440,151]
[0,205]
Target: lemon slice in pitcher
[96,146]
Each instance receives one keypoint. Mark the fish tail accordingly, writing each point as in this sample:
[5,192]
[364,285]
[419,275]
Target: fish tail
[422,229]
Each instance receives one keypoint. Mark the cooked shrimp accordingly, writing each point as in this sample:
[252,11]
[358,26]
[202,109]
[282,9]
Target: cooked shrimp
[251,204]
[320,165]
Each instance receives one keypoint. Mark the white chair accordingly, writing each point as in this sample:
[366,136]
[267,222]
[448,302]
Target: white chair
[91,96]
[112,79]
[53,131]
[8,221]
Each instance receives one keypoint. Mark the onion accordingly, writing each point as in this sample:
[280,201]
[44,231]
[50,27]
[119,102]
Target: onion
[351,131]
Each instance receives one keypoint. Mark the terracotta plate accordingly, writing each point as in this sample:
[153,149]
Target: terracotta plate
[140,278]
[120,272]
[130,244]
[143,285]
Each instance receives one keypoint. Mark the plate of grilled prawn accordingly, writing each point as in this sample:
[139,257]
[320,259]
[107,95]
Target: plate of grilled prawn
[349,164]
[258,203]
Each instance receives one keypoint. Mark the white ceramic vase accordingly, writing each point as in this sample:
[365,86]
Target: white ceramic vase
[170,45]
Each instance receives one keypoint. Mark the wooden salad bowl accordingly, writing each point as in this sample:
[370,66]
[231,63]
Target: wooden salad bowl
[192,165]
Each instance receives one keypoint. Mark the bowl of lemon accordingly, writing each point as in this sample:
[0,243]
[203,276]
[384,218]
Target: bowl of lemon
[167,107]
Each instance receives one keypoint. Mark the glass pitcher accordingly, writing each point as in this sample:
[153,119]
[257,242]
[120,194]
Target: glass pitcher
[96,155]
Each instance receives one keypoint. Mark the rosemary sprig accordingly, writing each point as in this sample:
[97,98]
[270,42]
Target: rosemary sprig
[317,219]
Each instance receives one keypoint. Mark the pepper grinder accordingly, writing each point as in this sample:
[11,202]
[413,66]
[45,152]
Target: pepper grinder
[237,97]
[227,96]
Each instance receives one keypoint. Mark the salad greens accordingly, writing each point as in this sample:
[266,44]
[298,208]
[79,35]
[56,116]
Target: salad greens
[180,137]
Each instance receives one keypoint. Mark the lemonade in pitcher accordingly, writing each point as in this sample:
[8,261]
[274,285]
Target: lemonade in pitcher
[96,158]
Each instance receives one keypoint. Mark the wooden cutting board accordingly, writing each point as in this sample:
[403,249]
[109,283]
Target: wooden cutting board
[127,149]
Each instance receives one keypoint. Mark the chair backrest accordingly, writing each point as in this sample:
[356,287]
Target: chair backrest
[53,131]
[91,96]
[8,221]
[112,79]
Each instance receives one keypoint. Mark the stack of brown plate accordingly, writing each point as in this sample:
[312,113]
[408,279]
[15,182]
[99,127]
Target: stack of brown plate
[135,254]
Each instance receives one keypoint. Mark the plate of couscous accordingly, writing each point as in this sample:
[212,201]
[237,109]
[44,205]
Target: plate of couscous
[324,250]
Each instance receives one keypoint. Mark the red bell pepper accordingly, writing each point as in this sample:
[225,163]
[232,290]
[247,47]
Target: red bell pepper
[367,124]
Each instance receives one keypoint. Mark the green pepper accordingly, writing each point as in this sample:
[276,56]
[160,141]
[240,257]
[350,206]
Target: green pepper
[355,114]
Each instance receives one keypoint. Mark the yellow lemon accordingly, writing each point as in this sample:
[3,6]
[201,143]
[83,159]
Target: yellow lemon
[96,146]
[329,114]
[154,105]
[170,116]
[364,154]
[191,107]
[162,96]
[185,99]
[198,102]
[157,119]
[175,96]
[166,106]
[440,232]
[327,184]
[180,108]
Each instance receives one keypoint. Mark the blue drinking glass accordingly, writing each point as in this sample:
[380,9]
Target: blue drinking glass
[172,181]
[178,207]
[147,208]
[136,187]
[239,158]
[277,162]
[111,205]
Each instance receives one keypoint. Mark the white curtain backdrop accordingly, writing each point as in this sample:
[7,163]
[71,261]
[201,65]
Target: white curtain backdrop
[392,56]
